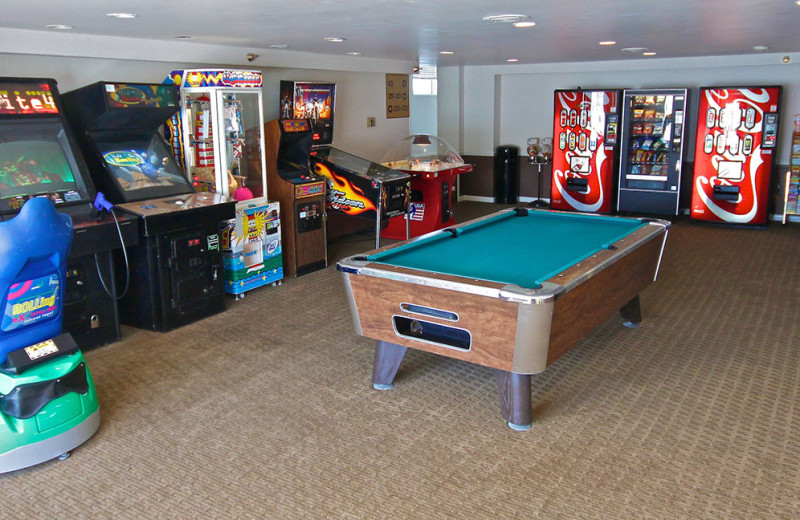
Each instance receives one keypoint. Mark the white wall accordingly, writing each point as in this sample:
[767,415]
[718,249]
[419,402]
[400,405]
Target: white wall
[509,103]
[77,60]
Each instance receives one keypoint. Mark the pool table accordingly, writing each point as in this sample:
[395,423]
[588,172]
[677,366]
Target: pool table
[512,291]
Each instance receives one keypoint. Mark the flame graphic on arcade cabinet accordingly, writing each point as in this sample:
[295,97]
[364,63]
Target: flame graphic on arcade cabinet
[343,196]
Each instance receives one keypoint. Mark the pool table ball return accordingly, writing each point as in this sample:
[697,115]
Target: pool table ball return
[512,291]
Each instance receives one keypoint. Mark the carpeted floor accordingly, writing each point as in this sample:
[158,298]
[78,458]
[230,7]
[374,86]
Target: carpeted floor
[266,411]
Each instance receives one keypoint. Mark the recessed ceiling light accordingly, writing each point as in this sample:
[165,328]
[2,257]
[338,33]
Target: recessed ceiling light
[278,46]
[126,16]
[506,18]
[635,50]
[354,53]
[335,39]
[522,25]
[182,37]
[648,53]
[59,27]
[446,53]
[761,48]
[607,42]
[512,60]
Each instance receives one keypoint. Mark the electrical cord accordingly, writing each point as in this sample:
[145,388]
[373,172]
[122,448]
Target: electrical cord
[108,291]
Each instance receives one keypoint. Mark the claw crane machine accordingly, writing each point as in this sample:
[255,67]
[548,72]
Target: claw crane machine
[218,138]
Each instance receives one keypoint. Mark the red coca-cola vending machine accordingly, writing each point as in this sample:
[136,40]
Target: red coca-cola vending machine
[737,133]
[585,141]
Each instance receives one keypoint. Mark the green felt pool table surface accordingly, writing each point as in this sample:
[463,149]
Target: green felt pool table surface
[523,247]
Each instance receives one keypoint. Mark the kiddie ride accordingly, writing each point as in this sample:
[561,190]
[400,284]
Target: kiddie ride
[48,403]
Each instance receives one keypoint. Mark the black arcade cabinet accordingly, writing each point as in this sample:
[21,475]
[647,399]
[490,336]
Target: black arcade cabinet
[39,157]
[177,274]
[300,192]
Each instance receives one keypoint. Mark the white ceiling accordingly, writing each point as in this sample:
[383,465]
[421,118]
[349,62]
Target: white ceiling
[417,30]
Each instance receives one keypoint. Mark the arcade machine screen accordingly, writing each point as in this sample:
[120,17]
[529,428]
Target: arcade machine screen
[35,160]
[36,156]
[295,146]
[311,101]
[141,165]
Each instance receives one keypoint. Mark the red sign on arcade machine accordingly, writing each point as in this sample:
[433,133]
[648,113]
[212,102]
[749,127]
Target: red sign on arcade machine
[737,131]
[584,150]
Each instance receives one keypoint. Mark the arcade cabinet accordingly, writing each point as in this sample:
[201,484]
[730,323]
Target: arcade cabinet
[360,188]
[48,403]
[39,157]
[176,269]
[301,195]
[217,136]
[433,165]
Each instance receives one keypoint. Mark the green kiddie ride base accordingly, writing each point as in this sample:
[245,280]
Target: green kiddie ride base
[60,425]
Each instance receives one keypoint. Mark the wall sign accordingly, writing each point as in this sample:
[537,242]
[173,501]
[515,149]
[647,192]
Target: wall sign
[397,96]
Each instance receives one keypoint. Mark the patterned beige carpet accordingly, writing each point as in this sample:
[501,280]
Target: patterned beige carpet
[266,411]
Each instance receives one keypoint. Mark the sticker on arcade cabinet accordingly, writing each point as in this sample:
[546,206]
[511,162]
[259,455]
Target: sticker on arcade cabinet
[213,242]
[416,210]
[40,350]
[30,302]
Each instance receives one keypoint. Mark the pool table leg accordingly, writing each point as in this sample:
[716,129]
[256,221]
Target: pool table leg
[632,313]
[515,398]
[388,357]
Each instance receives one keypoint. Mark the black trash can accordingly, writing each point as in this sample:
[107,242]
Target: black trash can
[506,174]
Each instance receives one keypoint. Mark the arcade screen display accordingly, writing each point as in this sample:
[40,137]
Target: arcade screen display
[295,146]
[36,159]
[141,165]
[311,101]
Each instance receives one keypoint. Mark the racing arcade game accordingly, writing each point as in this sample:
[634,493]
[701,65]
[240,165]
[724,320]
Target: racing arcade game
[176,270]
[39,157]
[300,192]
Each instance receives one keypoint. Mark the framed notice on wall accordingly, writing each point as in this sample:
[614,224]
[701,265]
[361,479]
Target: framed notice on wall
[397,97]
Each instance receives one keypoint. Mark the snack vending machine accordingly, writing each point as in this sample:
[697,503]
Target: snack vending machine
[651,151]
[737,132]
[585,126]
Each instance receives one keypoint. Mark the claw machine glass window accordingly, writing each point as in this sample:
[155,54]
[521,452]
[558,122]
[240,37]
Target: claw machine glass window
[218,134]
